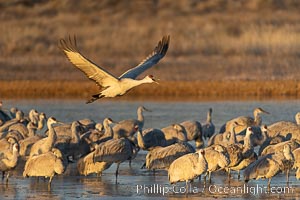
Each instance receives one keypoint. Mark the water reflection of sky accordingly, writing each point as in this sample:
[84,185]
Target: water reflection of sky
[163,113]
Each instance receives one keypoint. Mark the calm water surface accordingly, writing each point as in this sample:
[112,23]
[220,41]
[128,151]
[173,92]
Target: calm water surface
[135,182]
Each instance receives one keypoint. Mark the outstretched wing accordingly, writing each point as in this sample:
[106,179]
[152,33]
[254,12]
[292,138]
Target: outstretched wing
[158,53]
[91,70]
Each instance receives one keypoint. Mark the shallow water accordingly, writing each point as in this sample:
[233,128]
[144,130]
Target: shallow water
[139,183]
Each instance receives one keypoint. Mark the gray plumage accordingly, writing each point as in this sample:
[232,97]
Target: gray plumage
[279,147]
[46,144]
[9,160]
[245,121]
[86,165]
[226,138]
[151,138]
[115,151]
[127,128]
[162,157]
[113,86]
[187,167]
[46,165]
[270,165]
[194,132]
[216,158]
[175,133]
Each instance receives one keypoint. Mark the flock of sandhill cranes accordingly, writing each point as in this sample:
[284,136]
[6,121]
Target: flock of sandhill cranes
[96,146]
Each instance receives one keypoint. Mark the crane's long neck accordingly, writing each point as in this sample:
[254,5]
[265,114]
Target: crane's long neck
[288,154]
[109,131]
[75,133]
[140,140]
[31,132]
[41,124]
[140,116]
[208,118]
[51,139]
[257,119]
[232,139]
[247,142]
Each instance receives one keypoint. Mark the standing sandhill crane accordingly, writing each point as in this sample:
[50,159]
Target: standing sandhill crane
[285,129]
[162,157]
[68,145]
[245,121]
[208,128]
[115,151]
[151,138]
[86,165]
[296,154]
[45,145]
[33,116]
[114,86]
[127,128]
[187,167]
[41,121]
[270,165]
[238,152]
[174,133]
[216,159]
[294,144]
[46,164]
[8,160]
[225,138]
[193,132]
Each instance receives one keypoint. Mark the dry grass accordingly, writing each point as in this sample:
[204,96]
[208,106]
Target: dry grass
[255,42]
[165,90]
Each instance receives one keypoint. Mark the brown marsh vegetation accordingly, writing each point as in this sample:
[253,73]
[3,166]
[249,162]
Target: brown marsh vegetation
[218,48]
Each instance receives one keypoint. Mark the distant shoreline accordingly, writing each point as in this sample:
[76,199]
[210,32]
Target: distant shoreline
[165,91]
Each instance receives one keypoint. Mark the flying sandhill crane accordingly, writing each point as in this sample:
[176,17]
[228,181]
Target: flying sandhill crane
[270,165]
[245,121]
[114,86]
[225,138]
[47,165]
[162,157]
[9,160]
[86,165]
[187,167]
[208,128]
[46,144]
[296,166]
[127,127]
[115,151]
[216,158]
[193,132]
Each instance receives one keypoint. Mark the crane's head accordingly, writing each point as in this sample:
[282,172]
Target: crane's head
[260,110]
[52,120]
[151,79]
[16,147]
[249,131]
